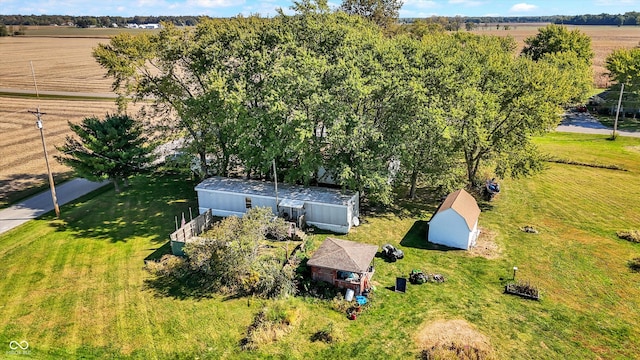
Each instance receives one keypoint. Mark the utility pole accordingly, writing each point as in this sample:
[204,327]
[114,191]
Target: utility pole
[615,123]
[44,147]
[275,176]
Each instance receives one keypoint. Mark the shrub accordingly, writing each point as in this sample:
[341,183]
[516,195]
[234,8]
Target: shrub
[630,235]
[275,280]
[227,259]
[168,266]
[634,264]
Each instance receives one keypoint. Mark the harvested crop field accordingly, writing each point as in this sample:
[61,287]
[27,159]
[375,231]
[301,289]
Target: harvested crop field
[604,39]
[22,164]
[60,64]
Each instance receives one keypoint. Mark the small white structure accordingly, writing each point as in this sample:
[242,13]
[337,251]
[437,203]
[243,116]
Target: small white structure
[324,208]
[455,223]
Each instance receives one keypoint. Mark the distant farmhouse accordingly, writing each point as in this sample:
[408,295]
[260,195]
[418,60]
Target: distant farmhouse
[144,26]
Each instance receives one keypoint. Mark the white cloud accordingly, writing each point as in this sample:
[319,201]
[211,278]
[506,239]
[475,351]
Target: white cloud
[522,7]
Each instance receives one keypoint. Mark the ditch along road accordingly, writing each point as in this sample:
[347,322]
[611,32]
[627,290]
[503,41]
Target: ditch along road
[42,203]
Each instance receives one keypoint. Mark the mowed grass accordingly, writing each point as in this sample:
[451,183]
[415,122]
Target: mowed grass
[76,287]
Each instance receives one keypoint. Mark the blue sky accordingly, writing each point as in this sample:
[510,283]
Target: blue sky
[226,8]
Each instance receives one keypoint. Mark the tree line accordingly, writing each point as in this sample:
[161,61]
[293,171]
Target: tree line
[100,21]
[628,18]
[325,89]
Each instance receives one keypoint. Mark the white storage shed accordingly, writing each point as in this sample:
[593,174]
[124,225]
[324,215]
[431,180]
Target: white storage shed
[328,209]
[455,223]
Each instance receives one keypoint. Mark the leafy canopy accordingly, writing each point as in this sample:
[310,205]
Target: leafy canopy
[558,38]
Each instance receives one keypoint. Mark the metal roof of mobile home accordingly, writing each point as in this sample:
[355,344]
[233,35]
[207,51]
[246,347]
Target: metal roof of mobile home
[285,191]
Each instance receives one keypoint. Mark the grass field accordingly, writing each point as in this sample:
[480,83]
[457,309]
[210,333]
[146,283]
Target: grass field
[76,287]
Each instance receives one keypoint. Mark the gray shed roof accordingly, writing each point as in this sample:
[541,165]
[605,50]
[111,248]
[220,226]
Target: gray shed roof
[285,191]
[343,255]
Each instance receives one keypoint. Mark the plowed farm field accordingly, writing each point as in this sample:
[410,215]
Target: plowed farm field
[60,64]
[22,164]
[604,39]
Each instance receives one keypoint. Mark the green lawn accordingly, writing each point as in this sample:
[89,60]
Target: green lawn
[624,123]
[76,287]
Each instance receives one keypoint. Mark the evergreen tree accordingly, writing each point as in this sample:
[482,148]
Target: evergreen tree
[114,148]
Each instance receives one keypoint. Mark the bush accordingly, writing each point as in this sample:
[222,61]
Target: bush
[168,266]
[634,264]
[275,280]
[630,235]
[227,258]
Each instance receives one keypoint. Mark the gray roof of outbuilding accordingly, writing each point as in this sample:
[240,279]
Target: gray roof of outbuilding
[343,255]
[285,191]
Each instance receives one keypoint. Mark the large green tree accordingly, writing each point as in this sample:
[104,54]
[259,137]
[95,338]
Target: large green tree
[569,50]
[558,38]
[383,12]
[113,148]
[496,102]
[185,74]
[624,66]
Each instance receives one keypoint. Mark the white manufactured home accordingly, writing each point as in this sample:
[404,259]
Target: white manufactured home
[328,209]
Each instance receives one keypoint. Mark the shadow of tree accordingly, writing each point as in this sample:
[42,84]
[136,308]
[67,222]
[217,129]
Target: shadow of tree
[19,186]
[147,208]
[424,204]
[177,288]
[416,237]
[159,252]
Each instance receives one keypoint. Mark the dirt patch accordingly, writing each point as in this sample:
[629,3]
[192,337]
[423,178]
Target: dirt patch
[633,148]
[447,334]
[485,245]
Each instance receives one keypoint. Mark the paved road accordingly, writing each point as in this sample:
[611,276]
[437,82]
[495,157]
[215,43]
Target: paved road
[585,123]
[40,204]
[59,93]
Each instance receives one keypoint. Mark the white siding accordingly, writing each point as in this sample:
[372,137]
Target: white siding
[332,217]
[450,229]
